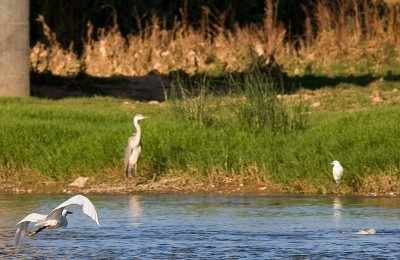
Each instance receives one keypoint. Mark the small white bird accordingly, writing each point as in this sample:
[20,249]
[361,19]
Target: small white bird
[133,149]
[337,171]
[366,232]
[55,219]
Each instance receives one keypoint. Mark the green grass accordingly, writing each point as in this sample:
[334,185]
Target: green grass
[359,140]
[58,138]
[61,139]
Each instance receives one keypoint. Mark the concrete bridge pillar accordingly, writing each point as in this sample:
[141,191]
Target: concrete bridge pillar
[14,48]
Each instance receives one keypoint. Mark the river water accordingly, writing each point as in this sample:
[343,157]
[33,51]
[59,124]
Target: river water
[208,227]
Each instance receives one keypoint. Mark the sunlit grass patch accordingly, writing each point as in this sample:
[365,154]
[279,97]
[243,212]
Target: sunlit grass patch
[62,139]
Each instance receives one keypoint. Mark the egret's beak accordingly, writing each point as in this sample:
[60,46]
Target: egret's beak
[70,212]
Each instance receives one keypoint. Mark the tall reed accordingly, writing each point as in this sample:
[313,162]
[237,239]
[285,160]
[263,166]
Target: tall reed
[260,104]
[192,100]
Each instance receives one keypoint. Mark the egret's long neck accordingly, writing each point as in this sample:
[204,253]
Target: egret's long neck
[137,126]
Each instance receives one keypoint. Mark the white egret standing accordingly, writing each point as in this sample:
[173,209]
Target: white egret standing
[55,219]
[337,171]
[133,149]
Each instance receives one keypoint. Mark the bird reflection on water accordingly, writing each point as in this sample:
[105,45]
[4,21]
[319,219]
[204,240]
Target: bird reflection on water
[135,206]
[337,208]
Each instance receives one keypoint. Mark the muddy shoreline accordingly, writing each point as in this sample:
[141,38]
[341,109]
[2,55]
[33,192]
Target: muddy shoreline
[133,187]
[174,185]
[166,185]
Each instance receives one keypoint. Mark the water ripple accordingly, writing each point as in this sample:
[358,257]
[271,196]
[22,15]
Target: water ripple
[210,227]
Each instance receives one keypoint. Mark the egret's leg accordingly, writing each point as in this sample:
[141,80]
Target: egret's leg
[134,169]
[32,233]
[128,171]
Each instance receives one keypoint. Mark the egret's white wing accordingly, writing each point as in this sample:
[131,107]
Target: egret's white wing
[135,155]
[33,217]
[139,151]
[87,206]
[55,214]
[20,233]
[22,226]
[337,172]
[128,151]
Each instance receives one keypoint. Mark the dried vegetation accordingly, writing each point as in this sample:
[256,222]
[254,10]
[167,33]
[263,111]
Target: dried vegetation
[350,33]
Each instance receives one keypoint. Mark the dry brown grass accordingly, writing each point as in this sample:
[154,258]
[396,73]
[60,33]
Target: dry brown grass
[357,31]
[52,57]
[385,183]
[361,30]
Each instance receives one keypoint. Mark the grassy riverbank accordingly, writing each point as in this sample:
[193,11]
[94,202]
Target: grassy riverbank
[59,140]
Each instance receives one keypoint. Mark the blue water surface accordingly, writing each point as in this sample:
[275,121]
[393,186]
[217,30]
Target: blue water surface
[208,227]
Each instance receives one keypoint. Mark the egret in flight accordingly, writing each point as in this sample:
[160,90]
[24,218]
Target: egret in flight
[337,171]
[55,219]
[133,149]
